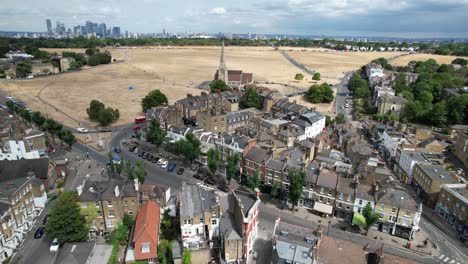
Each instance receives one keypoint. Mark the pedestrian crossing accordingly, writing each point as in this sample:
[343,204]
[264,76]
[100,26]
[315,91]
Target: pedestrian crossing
[442,258]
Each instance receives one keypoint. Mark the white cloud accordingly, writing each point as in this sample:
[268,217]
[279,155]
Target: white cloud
[218,11]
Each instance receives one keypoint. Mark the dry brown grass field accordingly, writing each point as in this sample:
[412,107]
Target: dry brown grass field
[176,71]
[441,59]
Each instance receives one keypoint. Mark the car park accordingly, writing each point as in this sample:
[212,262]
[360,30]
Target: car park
[180,171]
[223,188]
[164,164]
[39,232]
[54,246]
[171,167]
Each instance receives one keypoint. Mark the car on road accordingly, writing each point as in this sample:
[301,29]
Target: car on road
[171,167]
[46,219]
[117,150]
[342,106]
[180,171]
[155,159]
[136,127]
[164,164]
[82,130]
[39,232]
[346,106]
[105,129]
[223,187]
[54,246]
[209,181]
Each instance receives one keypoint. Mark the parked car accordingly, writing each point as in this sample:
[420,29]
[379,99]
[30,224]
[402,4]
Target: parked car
[160,161]
[141,154]
[155,159]
[150,157]
[82,130]
[105,129]
[39,232]
[132,149]
[54,247]
[198,177]
[171,167]
[46,219]
[209,181]
[117,150]
[164,164]
[223,188]
[180,171]
[144,155]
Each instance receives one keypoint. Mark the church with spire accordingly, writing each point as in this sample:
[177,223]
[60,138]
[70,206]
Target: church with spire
[233,78]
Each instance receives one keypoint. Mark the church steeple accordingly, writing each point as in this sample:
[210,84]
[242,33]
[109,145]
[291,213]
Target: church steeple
[222,70]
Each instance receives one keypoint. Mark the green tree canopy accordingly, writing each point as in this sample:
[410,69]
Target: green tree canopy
[67,137]
[97,111]
[251,98]
[460,61]
[218,86]
[400,83]
[319,93]
[316,76]
[296,183]
[254,181]
[187,256]
[299,77]
[340,119]
[23,69]
[370,217]
[457,109]
[382,61]
[232,166]
[66,221]
[153,99]
[155,133]
[213,160]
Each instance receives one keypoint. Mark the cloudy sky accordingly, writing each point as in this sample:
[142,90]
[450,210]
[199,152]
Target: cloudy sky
[394,18]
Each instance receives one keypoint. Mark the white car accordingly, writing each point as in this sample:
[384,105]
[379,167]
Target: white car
[135,151]
[160,161]
[82,130]
[346,105]
[164,165]
[54,247]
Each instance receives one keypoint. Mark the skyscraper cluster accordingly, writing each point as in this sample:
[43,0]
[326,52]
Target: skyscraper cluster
[88,29]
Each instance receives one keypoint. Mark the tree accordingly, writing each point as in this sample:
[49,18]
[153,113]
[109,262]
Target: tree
[192,151]
[254,181]
[319,94]
[23,69]
[67,137]
[90,212]
[128,221]
[218,86]
[400,83]
[213,160]
[169,226]
[457,108]
[53,127]
[187,256]
[340,119]
[438,115]
[10,105]
[413,110]
[370,217]
[129,169]
[232,166]
[460,61]
[296,183]
[382,61]
[155,133]
[97,111]
[90,51]
[153,99]
[66,223]
[275,189]
[251,98]
[25,115]
[316,76]
[140,171]
[37,118]
[299,77]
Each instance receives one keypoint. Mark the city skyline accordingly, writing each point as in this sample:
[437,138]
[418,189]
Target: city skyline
[382,18]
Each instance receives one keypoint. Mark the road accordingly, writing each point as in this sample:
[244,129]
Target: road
[341,95]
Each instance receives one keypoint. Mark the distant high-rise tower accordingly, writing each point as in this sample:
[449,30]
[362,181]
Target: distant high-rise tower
[49,27]
[222,70]
[164,32]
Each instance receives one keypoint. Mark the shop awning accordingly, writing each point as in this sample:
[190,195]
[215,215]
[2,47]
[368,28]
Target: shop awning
[323,208]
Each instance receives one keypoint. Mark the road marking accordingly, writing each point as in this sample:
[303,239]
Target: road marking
[446,259]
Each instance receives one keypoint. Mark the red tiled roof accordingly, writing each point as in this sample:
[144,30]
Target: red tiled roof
[147,230]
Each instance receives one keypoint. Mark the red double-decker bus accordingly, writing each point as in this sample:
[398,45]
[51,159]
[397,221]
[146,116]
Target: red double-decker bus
[140,120]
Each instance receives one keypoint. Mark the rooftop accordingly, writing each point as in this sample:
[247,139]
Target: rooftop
[327,179]
[196,200]
[437,172]
[247,199]
[258,155]
[398,198]
[292,242]
[147,229]
[75,253]
[459,190]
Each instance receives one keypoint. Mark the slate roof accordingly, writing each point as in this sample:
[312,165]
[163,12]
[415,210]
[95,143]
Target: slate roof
[365,192]
[258,155]
[100,191]
[196,200]
[327,179]
[293,243]
[397,197]
[345,185]
[247,199]
[275,164]
[437,172]
[75,253]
